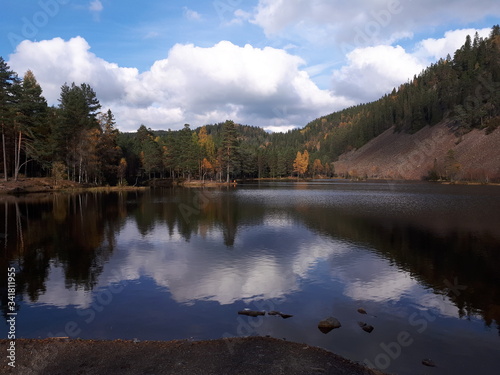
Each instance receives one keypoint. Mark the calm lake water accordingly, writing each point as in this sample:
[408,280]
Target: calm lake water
[422,259]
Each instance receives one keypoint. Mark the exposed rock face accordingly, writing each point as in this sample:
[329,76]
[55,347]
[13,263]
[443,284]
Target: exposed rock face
[391,155]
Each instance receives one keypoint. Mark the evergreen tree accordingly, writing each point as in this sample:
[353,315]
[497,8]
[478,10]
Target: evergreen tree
[79,108]
[229,147]
[108,150]
[8,80]
[33,123]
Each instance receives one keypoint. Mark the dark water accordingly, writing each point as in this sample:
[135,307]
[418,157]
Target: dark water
[423,260]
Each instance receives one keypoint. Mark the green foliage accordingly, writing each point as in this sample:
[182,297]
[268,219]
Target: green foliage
[58,172]
[465,89]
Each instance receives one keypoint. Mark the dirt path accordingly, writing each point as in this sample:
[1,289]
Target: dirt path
[242,356]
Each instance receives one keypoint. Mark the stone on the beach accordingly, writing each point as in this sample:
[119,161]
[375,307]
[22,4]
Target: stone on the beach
[362,311]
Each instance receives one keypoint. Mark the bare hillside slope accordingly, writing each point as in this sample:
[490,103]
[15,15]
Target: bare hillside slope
[437,150]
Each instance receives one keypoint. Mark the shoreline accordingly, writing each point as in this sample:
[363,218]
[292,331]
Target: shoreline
[35,185]
[241,355]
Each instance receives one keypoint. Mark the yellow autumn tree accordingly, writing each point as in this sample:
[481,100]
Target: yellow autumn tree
[206,168]
[301,163]
[317,167]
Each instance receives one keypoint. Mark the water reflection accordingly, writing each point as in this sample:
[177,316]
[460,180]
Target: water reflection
[375,244]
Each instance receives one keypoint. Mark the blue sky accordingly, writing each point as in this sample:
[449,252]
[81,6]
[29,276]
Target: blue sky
[272,63]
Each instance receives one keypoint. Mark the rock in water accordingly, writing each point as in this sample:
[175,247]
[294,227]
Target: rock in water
[428,362]
[251,313]
[366,327]
[326,325]
[284,316]
[362,311]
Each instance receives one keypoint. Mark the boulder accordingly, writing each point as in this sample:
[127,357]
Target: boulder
[366,327]
[328,324]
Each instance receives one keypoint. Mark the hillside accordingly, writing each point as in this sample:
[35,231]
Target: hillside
[441,124]
[431,153]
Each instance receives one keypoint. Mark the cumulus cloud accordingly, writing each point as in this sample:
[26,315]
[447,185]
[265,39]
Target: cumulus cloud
[373,71]
[45,59]
[258,86]
[433,49]
[362,23]
[267,87]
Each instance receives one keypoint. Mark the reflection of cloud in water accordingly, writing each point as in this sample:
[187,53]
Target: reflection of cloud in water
[369,278]
[197,270]
[257,267]
[58,295]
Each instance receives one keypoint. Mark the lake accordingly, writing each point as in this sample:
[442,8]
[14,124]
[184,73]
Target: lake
[421,259]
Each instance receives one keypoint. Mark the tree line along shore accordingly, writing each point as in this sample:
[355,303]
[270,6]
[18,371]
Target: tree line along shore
[78,140]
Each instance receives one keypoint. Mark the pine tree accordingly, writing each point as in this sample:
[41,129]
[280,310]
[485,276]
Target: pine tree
[229,146]
[8,81]
[79,108]
[108,150]
[34,128]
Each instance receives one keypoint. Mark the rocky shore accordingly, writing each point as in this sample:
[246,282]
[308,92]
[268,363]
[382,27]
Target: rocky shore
[242,356]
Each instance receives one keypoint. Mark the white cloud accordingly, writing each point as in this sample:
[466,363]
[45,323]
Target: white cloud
[191,14]
[267,87]
[96,6]
[434,49]
[193,84]
[44,59]
[363,23]
[373,71]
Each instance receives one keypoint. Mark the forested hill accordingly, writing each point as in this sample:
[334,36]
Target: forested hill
[76,140]
[464,89]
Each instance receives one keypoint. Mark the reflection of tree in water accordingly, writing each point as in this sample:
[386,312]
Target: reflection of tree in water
[432,256]
[190,211]
[75,232]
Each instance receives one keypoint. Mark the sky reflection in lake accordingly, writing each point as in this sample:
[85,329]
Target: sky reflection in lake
[172,264]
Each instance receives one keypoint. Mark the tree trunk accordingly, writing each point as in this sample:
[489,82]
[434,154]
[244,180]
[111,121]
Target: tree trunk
[4,156]
[17,157]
